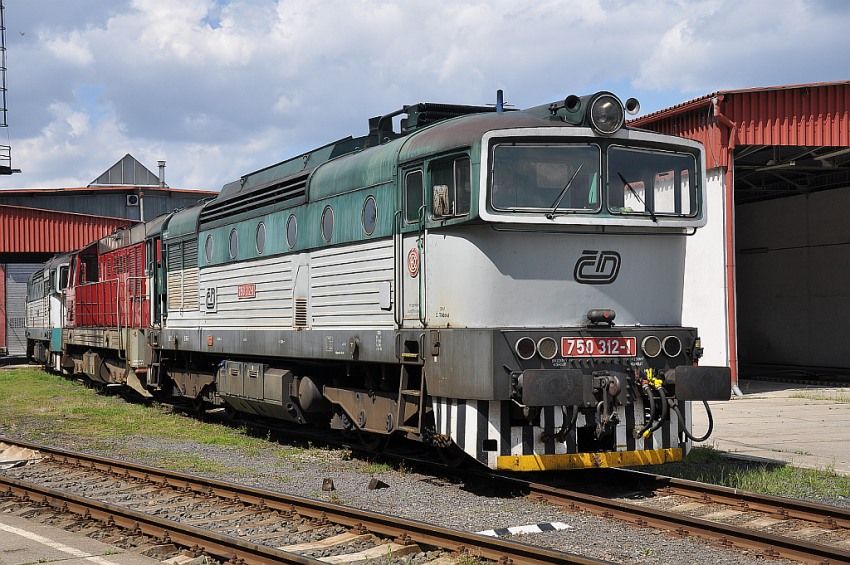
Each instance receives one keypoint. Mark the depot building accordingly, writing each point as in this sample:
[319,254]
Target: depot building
[35,224]
[768,279]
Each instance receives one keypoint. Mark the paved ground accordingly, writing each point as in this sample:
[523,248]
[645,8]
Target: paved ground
[22,541]
[806,426]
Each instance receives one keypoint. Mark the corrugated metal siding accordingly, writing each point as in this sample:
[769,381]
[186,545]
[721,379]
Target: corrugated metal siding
[16,306]
[30,230]
[2,308]
[808,115]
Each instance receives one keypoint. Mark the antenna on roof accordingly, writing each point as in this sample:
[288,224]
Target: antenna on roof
[5,150]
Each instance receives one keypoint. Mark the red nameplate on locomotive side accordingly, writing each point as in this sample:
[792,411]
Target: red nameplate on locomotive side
[247,291]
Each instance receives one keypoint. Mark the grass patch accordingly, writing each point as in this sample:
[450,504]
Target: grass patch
[709,465]
[374,468]
[838,398]
[36,401]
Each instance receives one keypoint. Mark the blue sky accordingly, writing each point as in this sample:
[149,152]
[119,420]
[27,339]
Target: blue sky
[219,88]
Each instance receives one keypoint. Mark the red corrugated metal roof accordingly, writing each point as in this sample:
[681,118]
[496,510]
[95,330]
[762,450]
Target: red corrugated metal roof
[807,115]
[32,230]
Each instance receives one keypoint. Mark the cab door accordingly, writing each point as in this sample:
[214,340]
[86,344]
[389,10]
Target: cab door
[411,252]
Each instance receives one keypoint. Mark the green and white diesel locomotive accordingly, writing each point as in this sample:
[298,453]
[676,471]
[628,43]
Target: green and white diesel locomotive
[504,284]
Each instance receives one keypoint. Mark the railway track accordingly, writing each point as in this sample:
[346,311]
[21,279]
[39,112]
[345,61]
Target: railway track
[768,525]
[242,524]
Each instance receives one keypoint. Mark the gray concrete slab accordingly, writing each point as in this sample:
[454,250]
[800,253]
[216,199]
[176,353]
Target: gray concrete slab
[806,426]
[23,541]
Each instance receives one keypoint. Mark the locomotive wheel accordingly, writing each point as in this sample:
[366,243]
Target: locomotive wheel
[372,442]
[452,456]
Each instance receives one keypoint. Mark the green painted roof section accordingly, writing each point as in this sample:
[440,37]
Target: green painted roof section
[182,223]
[467,131]
[371,167]
[378,165]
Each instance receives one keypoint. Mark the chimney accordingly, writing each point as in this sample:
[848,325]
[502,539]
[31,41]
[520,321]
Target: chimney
[161,173]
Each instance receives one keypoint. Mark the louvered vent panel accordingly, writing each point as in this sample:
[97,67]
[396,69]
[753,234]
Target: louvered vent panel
[191,293]
[175,256]
[291,188]
[190,253]
[300,312]
[175,290]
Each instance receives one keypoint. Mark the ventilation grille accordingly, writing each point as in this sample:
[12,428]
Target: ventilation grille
[183,292]
[300,312]
[291,189]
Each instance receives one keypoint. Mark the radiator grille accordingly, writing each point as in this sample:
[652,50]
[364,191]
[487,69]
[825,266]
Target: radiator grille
[300,312]
[293,189]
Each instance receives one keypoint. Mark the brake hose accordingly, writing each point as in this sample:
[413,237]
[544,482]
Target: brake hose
[562,433]
[664,410]
[685,429]
[648,392]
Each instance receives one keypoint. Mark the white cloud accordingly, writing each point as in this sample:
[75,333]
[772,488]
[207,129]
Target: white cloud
[71,48]
[222,88]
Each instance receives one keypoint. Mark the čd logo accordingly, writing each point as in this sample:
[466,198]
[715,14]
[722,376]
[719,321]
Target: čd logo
[597,267]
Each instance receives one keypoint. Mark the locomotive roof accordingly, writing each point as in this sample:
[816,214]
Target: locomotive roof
[182,222]
[377,165]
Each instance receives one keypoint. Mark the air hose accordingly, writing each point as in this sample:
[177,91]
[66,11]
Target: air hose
[664,410]
[686,431]
[565,428]
[647,390]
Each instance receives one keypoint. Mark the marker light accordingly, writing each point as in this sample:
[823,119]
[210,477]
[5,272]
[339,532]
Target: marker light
[651,346]
[525,348]
[672,346]
[547,348]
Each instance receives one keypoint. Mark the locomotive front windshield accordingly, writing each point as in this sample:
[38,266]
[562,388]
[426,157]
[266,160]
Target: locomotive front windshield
[651,183]
[561,178]
[546,177]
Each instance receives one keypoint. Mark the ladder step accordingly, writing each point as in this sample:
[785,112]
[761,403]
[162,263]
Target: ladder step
[410,356]
[411,392]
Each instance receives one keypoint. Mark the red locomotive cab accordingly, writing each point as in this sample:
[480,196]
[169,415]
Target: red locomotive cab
[110,289]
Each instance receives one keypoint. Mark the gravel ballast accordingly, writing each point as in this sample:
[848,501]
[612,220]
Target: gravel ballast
[409,494]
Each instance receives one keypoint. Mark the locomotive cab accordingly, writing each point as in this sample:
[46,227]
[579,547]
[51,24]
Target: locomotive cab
[567,285]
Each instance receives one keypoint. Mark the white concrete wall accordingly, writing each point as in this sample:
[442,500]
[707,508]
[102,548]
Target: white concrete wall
[704,300]
[793,281]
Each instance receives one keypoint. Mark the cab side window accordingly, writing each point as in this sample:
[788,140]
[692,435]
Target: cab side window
[412,196]
[452,178]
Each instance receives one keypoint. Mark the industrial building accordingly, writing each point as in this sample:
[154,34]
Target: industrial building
[38,223]
[768,280]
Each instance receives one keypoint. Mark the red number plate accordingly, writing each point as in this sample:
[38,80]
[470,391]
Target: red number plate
[598,347]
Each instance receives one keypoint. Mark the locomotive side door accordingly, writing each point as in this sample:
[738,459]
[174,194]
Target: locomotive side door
[410,256]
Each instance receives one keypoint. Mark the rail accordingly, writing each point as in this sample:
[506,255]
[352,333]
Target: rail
[731,535]
[385,526]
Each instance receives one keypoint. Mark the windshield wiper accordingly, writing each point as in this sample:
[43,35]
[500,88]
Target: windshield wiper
[551,214]
[636,195]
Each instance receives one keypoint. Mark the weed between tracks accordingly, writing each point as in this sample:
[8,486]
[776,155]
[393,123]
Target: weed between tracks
[34,403]
[709,465]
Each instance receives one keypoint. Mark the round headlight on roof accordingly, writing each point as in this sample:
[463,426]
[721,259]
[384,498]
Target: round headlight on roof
[606,113]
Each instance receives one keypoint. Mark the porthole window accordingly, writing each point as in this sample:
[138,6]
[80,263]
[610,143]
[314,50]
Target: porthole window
[261,237]
[208,248]
[370,215]
[233,248]
[328,224]
[291,231]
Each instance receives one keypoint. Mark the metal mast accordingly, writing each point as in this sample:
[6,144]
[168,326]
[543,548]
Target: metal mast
[5,150]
